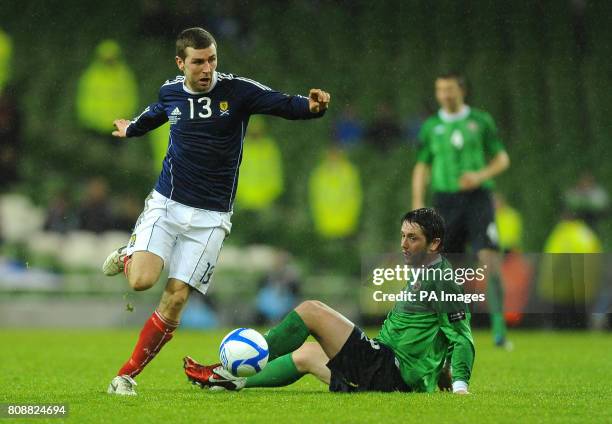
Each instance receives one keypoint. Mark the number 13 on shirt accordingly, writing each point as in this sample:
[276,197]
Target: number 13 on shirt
[205,107]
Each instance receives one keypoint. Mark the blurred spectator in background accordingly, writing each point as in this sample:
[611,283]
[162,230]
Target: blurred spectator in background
[95,213]
[601,311]
[200,313]
[9,120]
[10,140]
[384,131]
[6,54]
[279,291]
[60,214]
[107,89]
[509,224]
[348,128]
[587,200]
[335,195]
[517,271]
[569,277]
[261,170]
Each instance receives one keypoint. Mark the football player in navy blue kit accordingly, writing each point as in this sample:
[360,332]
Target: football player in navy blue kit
[187,216]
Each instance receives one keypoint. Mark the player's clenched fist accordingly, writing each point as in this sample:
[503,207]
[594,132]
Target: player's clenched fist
[318,100]
[121,125]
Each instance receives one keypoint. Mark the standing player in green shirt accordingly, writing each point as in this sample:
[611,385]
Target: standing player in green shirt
[409,354]
[461,151]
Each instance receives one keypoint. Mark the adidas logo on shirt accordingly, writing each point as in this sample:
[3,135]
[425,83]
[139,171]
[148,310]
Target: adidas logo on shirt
[174,116]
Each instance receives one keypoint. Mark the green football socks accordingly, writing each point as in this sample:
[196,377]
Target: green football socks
[287,336]
[280,372]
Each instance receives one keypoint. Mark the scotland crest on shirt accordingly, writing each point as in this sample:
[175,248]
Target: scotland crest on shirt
[223,108]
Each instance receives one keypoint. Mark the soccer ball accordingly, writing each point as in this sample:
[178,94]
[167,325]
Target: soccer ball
[243,352]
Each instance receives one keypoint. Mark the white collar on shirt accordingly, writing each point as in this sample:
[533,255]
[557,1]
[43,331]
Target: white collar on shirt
[214,82]
[452,117]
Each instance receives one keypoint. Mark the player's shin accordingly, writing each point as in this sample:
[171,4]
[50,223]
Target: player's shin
[287,336]
[280,372]
[156,332]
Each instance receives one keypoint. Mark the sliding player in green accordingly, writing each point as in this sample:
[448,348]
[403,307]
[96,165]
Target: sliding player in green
[422,343]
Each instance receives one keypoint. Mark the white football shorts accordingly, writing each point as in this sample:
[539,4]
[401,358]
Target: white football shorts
[188,239]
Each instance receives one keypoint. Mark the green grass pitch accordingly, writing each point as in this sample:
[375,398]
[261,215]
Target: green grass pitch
[549,377]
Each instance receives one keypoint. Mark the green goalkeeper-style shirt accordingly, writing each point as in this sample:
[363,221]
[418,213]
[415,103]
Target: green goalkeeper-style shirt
[455,144]
[424,333]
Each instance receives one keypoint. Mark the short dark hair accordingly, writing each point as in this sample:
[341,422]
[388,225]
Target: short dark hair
[430,222]
[457,76]
[197,38]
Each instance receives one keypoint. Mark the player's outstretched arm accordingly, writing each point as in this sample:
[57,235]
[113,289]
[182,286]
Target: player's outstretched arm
[318,100]
[121,127]
[152,117]
[260,99]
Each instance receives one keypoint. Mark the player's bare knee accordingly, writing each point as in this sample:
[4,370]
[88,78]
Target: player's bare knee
[307,307]
[141,282]
[142,279]
[309,311]
[320,305]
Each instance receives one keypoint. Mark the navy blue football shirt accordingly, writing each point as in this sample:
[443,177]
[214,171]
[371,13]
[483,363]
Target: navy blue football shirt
[207,130]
